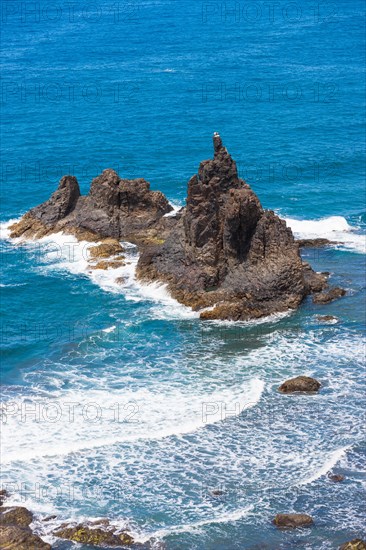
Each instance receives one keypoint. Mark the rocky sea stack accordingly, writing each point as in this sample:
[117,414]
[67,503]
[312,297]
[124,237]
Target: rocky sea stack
[222,254]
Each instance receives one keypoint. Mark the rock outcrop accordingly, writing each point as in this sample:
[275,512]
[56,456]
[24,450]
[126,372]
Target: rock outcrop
[226,255]
[96,534]
[291,521]
[17,538]
[355,544]
[114,207]
[15,533]
[328,295]
[300,384]
[315,243]
[222,255]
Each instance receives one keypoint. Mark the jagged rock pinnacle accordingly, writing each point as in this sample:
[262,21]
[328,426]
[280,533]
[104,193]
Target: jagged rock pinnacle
[217,142]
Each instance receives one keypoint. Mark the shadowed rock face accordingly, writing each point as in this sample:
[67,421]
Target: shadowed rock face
[113,208]
[221,254]
[226,253]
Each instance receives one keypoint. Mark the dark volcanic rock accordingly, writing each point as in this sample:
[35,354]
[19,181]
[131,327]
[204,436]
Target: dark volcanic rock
[292,520]
[15,533]
[327,319]
[226,253]
[93,534]
[328,295]
[300,384]
[222,254]
[355,544]
[113,208]
[15,515]
[314,243]
[3,496]
[17,538]
[60,204]
[336,478]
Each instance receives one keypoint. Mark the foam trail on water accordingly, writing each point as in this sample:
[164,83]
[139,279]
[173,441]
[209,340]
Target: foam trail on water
[227,517]
[334,457]
[61,252]
[334,228]
[125,416]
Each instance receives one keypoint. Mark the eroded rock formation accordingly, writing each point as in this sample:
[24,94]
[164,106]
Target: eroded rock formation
[226,255]
[114,207]
[222,255]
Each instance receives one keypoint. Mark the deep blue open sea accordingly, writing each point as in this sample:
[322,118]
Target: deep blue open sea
[118,402]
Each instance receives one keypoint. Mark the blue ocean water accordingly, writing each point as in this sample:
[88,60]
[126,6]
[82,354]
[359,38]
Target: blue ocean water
[117,401]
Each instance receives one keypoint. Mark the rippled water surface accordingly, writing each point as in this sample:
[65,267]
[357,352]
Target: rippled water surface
[117,401]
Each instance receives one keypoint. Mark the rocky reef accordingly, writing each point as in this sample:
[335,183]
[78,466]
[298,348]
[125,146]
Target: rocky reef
[15,533]
[222,254]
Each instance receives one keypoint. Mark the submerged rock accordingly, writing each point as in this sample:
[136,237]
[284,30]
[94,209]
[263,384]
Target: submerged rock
[292,520]
[355,544]
[336,478]
[93,534]
[327,319]
[300,384]
[328,295]
[217,493]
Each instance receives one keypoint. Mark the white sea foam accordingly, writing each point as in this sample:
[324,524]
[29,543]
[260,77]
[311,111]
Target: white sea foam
[226,517]
[330,462]
[172,213]
[109,329]
[60,252]
[334,228]
[124,416]
[5,228]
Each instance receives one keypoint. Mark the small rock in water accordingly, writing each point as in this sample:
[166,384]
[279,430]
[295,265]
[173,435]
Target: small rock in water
[355,544]
[292,521]
[336,478]
[3,495]
[314,243]
[328,295]
[327,319]
[217,492]
[108,264]
[109,247]
[49,518]
[300,384]
[121,280]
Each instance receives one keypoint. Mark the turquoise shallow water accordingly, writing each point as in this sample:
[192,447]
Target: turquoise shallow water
[118,402]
